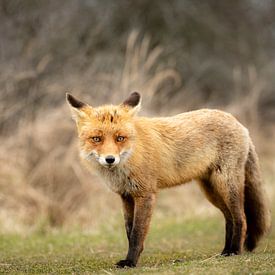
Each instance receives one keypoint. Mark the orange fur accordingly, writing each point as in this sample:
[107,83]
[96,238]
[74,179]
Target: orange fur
[209,146]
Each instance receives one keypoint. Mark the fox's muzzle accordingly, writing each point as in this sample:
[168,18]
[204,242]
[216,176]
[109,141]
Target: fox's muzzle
[109,160]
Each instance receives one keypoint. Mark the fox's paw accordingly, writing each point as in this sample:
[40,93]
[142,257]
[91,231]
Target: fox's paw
[227,253]
[124,263]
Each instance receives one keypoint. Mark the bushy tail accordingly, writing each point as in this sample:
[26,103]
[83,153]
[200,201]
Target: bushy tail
[256,203]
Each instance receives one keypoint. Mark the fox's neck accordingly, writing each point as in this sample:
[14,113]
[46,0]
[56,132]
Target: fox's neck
[151,138]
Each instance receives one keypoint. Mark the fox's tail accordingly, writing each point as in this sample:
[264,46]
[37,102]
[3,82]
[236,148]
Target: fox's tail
[256,203]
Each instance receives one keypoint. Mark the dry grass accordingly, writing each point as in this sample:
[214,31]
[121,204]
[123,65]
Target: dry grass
[143,71]
[42,183]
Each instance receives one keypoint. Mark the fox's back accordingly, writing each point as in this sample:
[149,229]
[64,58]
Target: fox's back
[186,145]
[203,120]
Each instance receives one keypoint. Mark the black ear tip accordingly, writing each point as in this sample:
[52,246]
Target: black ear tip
[74,102]
[135,93]
[68,96]
[133,99]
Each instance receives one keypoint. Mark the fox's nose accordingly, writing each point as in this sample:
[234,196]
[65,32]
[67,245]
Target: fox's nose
[110,159]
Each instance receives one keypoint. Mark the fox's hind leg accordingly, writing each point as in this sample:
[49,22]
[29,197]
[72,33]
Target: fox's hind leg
[231,189]
[236,206]
[216,199]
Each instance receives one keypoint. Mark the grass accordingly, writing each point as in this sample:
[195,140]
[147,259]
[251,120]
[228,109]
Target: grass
[172,247]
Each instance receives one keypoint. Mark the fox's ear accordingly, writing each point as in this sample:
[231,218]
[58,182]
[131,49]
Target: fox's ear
[76,106]
[133,103]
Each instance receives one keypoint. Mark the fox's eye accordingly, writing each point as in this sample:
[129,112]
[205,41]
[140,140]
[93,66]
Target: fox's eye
[96,139]
[120,138]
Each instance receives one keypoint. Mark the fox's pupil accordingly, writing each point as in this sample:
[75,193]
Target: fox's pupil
[96,139]
[120,138]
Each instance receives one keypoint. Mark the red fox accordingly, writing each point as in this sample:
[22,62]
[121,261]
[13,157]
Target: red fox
[138,156]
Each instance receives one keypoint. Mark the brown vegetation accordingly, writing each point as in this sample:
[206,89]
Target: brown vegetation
[180,55]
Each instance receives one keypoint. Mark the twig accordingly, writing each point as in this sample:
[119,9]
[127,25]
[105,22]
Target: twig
[214,256]
[107,272]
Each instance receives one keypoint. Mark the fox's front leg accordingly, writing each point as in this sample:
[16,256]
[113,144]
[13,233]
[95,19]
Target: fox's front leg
[143,208]
[128,210]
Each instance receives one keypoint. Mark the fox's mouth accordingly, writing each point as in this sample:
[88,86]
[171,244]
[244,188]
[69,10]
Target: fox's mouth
[110,166]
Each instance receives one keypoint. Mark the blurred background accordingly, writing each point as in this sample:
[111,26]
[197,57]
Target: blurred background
[180,55]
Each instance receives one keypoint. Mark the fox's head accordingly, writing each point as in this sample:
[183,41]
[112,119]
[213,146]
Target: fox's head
[106,133]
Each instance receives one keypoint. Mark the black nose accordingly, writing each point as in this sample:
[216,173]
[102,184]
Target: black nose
[110,159]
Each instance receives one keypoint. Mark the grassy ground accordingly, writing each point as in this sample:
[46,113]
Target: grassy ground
[173,247]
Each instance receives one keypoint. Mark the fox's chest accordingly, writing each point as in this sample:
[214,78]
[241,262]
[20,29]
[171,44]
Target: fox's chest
[119,180]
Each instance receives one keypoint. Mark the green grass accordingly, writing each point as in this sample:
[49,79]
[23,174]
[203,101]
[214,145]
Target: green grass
[172,247]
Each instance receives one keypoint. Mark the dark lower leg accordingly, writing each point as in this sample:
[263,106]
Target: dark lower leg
[218,199]
[228,237]
[142,216]
[236,208]
[239,231]
[128,209]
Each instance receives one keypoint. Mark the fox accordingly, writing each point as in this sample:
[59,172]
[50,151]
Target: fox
[138,156]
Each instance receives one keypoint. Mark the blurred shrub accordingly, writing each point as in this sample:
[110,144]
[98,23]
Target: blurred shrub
[180,55]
